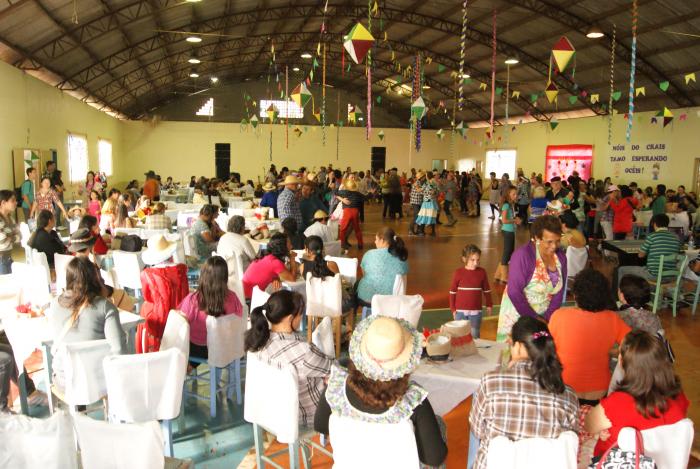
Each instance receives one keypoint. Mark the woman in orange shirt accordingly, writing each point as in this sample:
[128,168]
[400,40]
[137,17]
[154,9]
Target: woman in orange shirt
[585,335]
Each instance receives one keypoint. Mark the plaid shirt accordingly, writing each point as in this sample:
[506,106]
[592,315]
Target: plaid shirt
[158,222]
[510,403]
[416,196]
[288,206]
[311,365]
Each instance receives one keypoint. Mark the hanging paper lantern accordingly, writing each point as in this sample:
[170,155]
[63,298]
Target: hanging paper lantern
[358,42]
[551,91]
[352,113]
[418,109]
[317,115]
[254,121]
[380,134]
[301,95]
[440,134]
[297,131]
[563,51]
[272,112]
[460,128]
[666,115]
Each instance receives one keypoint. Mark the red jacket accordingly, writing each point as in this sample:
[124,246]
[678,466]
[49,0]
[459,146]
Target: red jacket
[163,289]
[624,211]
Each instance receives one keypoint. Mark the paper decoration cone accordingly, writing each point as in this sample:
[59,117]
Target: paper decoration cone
[616,95]
[317,115]
[380,134]
[254,121]
[667,116]
[358,42]
[553,124]
[297,131]
[595,98]
[440,134]
[551,91]
[301,95]
[418,108]
[272,112]
[563,51]
[664,85]
[460,128]
[689,77]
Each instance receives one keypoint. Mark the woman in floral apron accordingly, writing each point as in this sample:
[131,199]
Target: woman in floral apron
[537,277]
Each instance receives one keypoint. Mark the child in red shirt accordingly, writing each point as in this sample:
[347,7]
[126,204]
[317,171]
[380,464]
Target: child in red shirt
[469,284]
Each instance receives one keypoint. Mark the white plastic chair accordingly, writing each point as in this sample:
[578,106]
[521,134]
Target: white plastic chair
[215,200]
[347,267]
[60,262]
[324,298]
[146,387]
[29,443]
[39,259]
[106,445]
[176,333]
[382,444]
[83,373]
[407,307]
[25,233]
[188,244]
[35,289]
[148,234]
[73,225]
[576,260]
[322,337]
[529,453]
[225,350]
[333,248]
[668,445]
[400,282]
[272,404]
[258,298]
[128,267]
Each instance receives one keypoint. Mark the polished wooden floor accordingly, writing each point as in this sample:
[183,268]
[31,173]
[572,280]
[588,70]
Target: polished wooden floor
[433,260]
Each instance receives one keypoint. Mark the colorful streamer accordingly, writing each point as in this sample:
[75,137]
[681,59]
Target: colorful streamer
[286,101]
[507,98]
[493,72]
[612,83]
[462,47]
[633,67]
[369,73]
[323,99]
[416,94]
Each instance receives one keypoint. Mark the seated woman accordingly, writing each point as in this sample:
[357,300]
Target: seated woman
[649,395]
[376,386]
[271,268]
[157,220]
[314,261]
[212,298]
[81,313]
[381,266]
[206,232]
[45,239]
[90,223]
[273,336]
[291,229]
[122,219]
[234,242]
[634,296]
[531,385]
[585,335]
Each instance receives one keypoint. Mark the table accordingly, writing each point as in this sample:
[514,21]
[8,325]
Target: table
[448,384]
[627,251]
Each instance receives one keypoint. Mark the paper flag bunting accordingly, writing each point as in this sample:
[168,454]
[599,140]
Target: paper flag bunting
[616,95]
[666,115]
[380,134]
[533,97]
[641,90]
[466,81]
[499,90]
[551,91]
[683,117]
[418,109]
[689,77]
[272,112]
[440,135]
[379,100]
[358,42]
[254,121]
[482,86]
[516,95]
[301,95]
[664,85]
[563,51]
[297,131]
[553,124]
[441,68]
[595,98]
[654,120]
[317,115]
[573,99]
[460,128]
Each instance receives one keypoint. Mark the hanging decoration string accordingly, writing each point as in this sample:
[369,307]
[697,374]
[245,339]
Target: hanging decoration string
[454,119]
[507,101]
[416,94]
[369,73]
[612,83]
[633,66]
[286,105]
[493,72]
[323,99]
[462,47]
[337,128]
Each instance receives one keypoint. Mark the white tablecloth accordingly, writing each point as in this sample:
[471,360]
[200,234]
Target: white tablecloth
[679,220]
[450,383]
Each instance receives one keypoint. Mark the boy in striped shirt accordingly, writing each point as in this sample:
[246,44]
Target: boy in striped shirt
[469,284]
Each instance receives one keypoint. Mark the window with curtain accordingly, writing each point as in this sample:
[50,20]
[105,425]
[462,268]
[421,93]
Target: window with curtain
[500,161]
[562,160]
[104,150]
[77,157]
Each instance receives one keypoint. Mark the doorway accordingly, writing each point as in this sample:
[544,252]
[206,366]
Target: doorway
[378,159]
[222,160]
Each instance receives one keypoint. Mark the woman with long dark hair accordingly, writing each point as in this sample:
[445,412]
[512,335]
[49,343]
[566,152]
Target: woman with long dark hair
[649,395]
[381,266]
[45,239]
[314,261]
[9,232]
[212,298]
[122,219]
[273,336]
[534,375]
[275,265]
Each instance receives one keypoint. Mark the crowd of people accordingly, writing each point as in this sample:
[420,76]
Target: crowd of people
[592,368]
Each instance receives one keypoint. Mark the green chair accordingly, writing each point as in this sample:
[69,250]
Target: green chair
[670,275]
[691,297]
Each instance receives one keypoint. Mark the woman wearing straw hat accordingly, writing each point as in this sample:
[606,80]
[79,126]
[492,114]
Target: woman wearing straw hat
[376,388]
[352,202]
[269,199]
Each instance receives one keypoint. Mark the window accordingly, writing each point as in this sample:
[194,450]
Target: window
[500,161]
[466,164]
[287,109]
[104,151]
[77,157]
[207,108]
[562,160]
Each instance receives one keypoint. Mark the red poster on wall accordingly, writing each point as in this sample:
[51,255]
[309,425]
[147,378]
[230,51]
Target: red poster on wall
[563,160]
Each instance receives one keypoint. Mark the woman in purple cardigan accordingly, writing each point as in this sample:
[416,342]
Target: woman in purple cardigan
[536,278]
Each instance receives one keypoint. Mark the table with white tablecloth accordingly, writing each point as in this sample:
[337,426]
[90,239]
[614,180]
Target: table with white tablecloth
[679,220]
[450,383]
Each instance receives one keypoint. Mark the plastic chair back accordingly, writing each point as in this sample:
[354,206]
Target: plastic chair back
[324,297]
[668,445]
[333,248]
[32,279]
[39,259]
[24,334]
[176,333]
[347,267]
[528,453]
[399,285]
[84,374]
[73,225]
[383,444]
[146,386]
[60,263]
[128,267]
[258,298]
[25,233]
[29,443]
[225,339]
[215,200]
[407,307]
[188,244]
[119,445]
[322,337]
[576,260]
[272,398]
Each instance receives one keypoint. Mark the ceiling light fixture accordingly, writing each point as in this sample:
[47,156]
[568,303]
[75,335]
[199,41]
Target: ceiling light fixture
[193,39]
[194,61]
[193,1]
[194,75]
[512,61]
[426,87]
[295,69]
[594,32]
[306,55]
[214,80]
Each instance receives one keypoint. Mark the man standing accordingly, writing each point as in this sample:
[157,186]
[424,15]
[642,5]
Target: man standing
[287,201]
[27,190]
[449,187]
[557,192]
[309,204]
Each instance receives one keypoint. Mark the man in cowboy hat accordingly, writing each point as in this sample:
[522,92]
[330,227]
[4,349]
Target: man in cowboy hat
[269,199]
[320,228]
[310,203]
[288,202]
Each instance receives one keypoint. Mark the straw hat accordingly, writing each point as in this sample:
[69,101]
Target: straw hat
[420,174]
[320,215]
[158,249]
[350,185]
[462,341]
[384,349]
[268,187]
[438,346]
[76,212]
[291,179]
[311,177]
[80,240]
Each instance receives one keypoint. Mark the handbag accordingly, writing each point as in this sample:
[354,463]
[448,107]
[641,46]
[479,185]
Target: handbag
[616,458]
